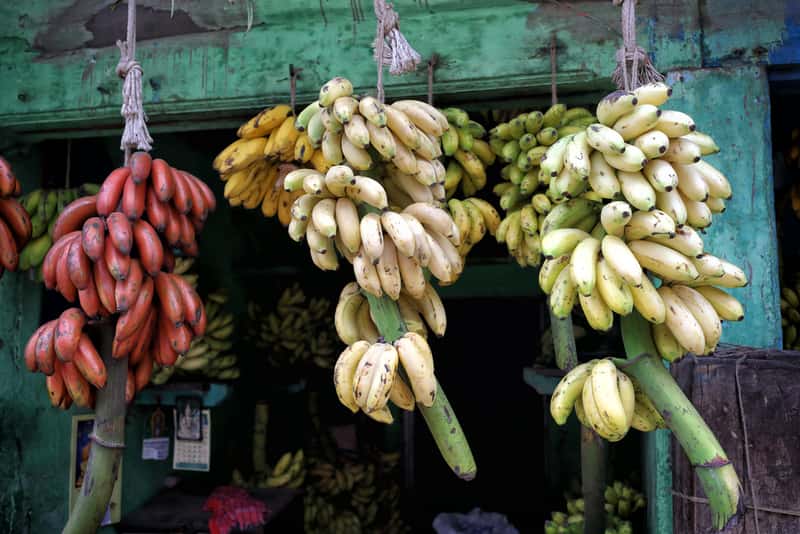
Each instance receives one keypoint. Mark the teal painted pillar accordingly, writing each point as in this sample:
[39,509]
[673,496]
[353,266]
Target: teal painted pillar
[732,105]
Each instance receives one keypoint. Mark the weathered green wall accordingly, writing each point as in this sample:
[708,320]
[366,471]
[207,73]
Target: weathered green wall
[202,67]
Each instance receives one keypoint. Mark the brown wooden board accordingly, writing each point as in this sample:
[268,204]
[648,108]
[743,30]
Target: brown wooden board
[770,390]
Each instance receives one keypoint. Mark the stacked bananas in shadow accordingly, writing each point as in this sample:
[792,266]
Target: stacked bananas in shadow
[790,316]
[209,355]
[253,167]
[353,497]
[467,155]
[629,195]
[621,501]
[605,399]
[299,330]
[289,472]
[526,194]
[44,207]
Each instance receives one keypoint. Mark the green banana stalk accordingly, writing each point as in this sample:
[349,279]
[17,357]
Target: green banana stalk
[716,473]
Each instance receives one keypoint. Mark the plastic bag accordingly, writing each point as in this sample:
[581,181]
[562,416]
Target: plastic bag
[475,522]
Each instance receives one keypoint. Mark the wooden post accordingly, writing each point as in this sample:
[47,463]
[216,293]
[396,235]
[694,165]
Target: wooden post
[108,443]
[594,449]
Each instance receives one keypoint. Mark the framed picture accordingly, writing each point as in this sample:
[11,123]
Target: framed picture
[80,450]
[189,425]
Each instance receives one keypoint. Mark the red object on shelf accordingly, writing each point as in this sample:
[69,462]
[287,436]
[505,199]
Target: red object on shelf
[233,507]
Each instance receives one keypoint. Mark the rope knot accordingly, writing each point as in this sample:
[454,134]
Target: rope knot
[135,134]
[126,66]
[634,67]
[391,47]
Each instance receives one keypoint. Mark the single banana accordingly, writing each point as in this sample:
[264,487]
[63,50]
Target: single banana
[645,224]
[606,394]
[686,240]
[582,265]
[369,191]
[663,261]
[382,140]
[615,292]
[389,271]
[632,160]
[627,395]
[622,259]
[490,215]
[655,93]
[668,347]
[348,224]
[344,373]
[400,232]
[550,270]
[648,302]
[638,121]
[675,123]
[671,202]
[337,178]
[698,214]
[603,177]
[562,241]
[422,250]
[436,219]
[703,312]
[334,89]
[727,307]
[615,105]
[372,110]
[399,123]
[366,327]
[417,360]
[653,143]
[419,116]
[592,414]
[567,214]
[709,265]
[401,395]
[366,274]
[357,158]
[346,311]
[597,313]
[412,276]
[718,185]
[324,217]
[432,309]
[614,216]
[553,160]
[576,155]
[661,175]
[372,239]
[374,377]
[604,139]
[682,323]
[332,147]
[263,123]
[637,190]
[567,391]
[563,295]
[691,183]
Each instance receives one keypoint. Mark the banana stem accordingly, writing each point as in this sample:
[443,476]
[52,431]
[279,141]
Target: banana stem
[594,449]
[106,454]
[563,341]
[713,468]
[440,418]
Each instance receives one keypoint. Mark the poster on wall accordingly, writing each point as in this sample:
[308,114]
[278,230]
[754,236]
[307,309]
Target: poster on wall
[80,448]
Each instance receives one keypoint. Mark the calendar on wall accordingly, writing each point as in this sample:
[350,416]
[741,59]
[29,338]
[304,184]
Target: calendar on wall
[192,449]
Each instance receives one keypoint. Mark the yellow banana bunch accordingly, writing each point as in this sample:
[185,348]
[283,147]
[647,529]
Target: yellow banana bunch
[642,193]
[604,399]
[388,249]
[270,145]
[366,376]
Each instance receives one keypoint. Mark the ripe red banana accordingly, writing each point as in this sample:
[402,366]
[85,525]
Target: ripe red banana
[163,183]
[93,238]
[74,215]
[69,328]
[140,164]
[111,191]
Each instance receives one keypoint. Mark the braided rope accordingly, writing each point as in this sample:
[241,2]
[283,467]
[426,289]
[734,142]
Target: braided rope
[634,67]
[390,46]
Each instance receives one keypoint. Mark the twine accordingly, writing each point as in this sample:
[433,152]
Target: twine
[634,67]
[746,443]
[390,46]
[294,74]
[432,62]
[135,134]
[553,70]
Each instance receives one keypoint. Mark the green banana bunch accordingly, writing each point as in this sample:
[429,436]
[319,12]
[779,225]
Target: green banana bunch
[299,330]
[466,153]
[621,501]
[44,207]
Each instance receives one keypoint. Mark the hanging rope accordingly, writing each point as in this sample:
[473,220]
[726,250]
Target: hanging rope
[746,443]
[553,70]
[431,68]
[135,135]
[390,46]
[294,74]
[634,67]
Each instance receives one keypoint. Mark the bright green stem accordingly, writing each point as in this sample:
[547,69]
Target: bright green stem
[109,428]
[594,449]
[716,473]
[440,418]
